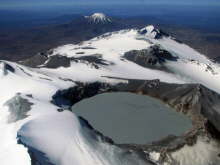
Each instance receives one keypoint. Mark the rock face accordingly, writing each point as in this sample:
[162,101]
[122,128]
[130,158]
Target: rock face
[153,57]
[57,61]
[36,60]
[5,68]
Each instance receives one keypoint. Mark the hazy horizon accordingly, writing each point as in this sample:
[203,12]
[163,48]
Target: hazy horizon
[33,4]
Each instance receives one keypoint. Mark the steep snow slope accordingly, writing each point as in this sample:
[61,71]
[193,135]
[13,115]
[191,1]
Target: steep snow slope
[191,64]
[16,80]
[60,135]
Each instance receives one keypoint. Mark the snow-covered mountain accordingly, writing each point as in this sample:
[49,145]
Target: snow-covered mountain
[38,129]
[106,55]
[98,18]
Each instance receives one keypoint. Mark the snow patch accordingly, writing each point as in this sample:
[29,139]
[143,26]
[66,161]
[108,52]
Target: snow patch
[149,31]
[154,156]
[202,73]
[204,152]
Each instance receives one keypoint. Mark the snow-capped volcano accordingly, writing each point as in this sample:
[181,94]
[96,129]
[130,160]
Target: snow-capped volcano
[36,127]
[98,18]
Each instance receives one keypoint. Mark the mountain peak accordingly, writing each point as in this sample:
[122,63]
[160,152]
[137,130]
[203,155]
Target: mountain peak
[153,32]
[98,18]
[150,28]
[150,31]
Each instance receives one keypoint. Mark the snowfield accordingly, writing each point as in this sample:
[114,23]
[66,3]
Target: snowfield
[191,67]
[111,47]
[62,136]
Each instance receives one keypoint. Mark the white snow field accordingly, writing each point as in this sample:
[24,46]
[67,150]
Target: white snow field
[61,136]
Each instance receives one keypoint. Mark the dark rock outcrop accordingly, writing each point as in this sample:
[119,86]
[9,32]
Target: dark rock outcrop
[6,68]
[35,61]
[57,61]
[153,57]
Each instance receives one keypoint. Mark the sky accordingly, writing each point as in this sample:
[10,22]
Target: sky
[31,3]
